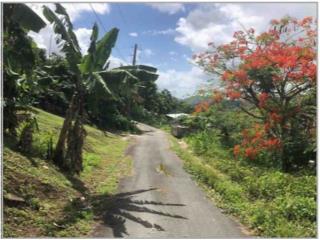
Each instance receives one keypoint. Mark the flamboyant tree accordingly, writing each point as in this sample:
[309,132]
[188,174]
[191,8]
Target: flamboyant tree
[272,74]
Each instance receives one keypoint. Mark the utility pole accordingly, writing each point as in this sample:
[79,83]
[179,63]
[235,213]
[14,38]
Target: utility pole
[134,54]
[49,52]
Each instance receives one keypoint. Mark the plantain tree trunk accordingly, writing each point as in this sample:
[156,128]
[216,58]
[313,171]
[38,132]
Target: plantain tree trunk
[75,139]
[59,153]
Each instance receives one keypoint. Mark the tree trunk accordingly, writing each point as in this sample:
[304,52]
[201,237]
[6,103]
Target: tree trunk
[76,139]
[58,157]
[285,159]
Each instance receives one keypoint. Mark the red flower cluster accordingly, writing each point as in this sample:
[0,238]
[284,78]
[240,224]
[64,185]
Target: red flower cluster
[263,97]
[233,94]
[201,107]
[254,142]
[217,96]
[266,71]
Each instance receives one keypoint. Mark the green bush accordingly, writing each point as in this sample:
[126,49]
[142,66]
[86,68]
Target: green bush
[90,160]
[267,186]
[296,207]
[42,142]
[273,203]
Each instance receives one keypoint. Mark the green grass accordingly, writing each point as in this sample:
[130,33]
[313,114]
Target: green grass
[52,198]
[269,202]
[165,127]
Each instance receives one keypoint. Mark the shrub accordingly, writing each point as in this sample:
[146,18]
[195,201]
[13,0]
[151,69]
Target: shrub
[274,203]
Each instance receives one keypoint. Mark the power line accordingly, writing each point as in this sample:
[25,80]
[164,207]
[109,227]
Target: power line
[121,14]
[127,23]
[105,30]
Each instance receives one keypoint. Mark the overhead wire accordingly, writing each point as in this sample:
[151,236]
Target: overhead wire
[122,16]
[105,30]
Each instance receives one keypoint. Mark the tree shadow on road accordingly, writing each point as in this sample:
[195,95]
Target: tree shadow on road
[115,210]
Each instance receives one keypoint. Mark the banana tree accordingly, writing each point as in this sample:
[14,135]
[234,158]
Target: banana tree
[130,92]
[88,82]
[18,58]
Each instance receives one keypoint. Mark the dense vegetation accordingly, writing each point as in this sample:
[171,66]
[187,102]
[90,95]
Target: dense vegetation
[271,202]
[57,169]
[273,74]
[256,135]
[78,87]
[253,140]
[54,203]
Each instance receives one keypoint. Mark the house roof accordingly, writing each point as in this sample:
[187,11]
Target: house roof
[176,115]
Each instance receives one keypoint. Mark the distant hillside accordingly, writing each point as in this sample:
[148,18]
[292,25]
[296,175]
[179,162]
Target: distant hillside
[194,100]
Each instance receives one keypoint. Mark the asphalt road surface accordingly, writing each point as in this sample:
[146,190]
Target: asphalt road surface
[160,200]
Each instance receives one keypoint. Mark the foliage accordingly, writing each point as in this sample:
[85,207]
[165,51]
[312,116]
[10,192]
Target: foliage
[270,202]
[271,73]
[88,82]
[52,196]
[57,85]
[19,60]
[134,98]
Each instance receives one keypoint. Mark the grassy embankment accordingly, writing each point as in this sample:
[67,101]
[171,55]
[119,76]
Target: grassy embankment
[56,204]
[271,203]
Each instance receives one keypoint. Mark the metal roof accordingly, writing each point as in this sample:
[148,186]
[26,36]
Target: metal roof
[177,115]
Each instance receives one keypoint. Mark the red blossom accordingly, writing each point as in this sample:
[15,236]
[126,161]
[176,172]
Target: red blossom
[263,97]
[227,75]
[236,150]
[233,94]
[262,71]
[201,107]
[275,117]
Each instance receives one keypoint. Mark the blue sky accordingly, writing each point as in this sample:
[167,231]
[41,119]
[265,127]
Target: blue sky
[168,34]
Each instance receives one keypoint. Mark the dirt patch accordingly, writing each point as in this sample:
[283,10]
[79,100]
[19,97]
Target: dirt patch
[183,144]
[22,185]
[129,150]
[162,169]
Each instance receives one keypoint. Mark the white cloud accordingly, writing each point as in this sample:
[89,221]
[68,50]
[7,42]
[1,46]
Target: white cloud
[182,83]
[83,36]
[148,52]
[133,34]
[217,22]
[172,53]
[46,37]
[168,31]
[169,8]
[143,54]
[76,10]
[198,39]
[115,62]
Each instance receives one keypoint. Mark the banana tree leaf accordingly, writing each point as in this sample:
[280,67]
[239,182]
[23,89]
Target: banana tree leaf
[87,65]
[27,18]
[97,86]
[121,82]
[141,67]
[142,72]
[98,52]
[104,47]
[64,29]
[62,11]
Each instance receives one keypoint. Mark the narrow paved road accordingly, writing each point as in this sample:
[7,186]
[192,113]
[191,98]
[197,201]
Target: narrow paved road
[160,200]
